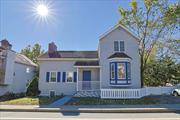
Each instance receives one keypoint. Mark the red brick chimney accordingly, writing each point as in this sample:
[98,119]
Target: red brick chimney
[52,50]
[5,44]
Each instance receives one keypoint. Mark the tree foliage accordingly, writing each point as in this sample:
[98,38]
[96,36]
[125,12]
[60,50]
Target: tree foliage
[32,52]
[162,71]
[154,22]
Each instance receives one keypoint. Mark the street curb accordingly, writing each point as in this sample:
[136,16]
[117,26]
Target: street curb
[122,110]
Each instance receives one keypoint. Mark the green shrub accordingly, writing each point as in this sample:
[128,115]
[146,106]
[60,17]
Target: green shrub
[32,89]
[11,95]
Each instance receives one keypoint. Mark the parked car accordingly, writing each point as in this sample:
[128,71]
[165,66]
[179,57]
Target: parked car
[176,91]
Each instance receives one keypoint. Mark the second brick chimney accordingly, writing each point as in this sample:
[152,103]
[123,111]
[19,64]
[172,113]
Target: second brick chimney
[5,44]
[52,50]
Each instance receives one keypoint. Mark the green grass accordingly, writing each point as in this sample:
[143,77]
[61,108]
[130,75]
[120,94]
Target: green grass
[31,101]
[98,101]
[152,99]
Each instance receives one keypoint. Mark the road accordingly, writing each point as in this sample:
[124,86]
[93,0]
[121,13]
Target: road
[87,116]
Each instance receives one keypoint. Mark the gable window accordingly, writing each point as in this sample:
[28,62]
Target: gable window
[69,77]
[112,71]
[121,71]
[116,46]
[121,46]
[53,77]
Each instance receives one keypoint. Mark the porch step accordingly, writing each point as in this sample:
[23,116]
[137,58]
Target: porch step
[87,94]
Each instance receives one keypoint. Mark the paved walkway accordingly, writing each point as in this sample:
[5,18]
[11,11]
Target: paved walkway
[60,102]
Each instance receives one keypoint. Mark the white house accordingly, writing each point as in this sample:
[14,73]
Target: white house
[16,70]
[115,65]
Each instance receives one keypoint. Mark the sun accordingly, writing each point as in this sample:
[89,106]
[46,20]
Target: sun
[42,10]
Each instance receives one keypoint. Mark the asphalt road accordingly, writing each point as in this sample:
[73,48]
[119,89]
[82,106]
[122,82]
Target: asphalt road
[87,116]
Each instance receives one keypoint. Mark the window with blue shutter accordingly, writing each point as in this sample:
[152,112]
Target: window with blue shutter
[64,76]
[75,76]
[59,77]
[47,76]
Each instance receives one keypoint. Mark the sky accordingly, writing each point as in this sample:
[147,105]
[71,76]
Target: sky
[73,24]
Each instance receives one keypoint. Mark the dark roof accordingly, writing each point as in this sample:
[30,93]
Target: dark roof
[119,55]
[23,60]
[87,63]
[71,54]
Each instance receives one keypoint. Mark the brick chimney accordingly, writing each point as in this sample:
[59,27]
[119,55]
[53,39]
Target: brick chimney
[52,50]
[5,44]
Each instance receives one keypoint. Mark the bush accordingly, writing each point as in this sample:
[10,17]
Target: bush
[32,89]
[11,95]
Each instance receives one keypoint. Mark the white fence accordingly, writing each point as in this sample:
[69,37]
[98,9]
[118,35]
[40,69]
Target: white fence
[135,93]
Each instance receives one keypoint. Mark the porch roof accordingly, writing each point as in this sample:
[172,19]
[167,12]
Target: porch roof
[86,63]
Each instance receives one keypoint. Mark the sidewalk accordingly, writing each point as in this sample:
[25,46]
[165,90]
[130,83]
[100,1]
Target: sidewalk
[96,109]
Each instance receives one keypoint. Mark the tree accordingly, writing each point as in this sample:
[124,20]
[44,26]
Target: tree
[32,52]
[153,22]
[162,71]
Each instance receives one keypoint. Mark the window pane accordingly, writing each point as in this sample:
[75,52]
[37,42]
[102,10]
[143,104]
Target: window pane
[53,76]
[121,46]
[116,46]
[112,71]
[69,76]
[129,70]
[121,71]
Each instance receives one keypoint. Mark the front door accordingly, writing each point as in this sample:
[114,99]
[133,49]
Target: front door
[86,85]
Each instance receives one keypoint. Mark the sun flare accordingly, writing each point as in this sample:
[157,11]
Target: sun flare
[42,10]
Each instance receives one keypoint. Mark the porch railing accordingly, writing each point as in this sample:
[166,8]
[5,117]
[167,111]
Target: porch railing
[88,85]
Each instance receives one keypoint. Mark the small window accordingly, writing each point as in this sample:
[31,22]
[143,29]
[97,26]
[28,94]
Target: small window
[116,46]
[53,77]
[112,71]
[52,93]
[27,70]
[69,77]
[121,71]
[122,46]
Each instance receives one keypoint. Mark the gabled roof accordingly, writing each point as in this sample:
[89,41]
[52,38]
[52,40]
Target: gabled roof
[24,60]
[114,28]
[119,55]
[87,63]
[71,54]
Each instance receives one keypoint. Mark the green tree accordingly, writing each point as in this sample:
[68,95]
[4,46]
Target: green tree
[32,52]
[162,71]
[155,21]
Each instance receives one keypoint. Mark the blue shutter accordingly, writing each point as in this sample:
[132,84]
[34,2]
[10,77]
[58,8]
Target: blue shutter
[47,76]
[64,76]
[59,77]
[75,76]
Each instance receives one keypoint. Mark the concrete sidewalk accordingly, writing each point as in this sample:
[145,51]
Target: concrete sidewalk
[95,109]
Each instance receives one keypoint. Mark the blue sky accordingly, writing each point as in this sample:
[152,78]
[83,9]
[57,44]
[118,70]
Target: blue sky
[76,25]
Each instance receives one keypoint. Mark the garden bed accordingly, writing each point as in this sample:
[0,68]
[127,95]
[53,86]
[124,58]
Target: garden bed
[155,99]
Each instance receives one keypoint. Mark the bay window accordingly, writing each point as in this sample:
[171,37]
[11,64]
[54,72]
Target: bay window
[120,73]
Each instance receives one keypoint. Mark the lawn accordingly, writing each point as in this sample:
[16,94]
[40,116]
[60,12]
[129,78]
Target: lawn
[31,101]
[164,99]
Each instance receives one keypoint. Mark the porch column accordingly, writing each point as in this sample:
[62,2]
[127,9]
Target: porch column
[77,78]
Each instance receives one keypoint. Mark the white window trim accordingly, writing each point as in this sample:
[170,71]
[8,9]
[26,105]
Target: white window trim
[111,70]
[120,46]
[50,77]
[72,77]
[117,44]
[118,71]
[52,91]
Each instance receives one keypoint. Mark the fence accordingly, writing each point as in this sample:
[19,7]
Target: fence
[135,93]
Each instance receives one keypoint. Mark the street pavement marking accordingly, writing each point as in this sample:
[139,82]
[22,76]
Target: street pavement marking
[9,118]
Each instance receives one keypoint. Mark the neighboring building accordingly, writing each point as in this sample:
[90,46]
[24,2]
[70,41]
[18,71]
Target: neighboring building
[16,70]
[115,65]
